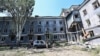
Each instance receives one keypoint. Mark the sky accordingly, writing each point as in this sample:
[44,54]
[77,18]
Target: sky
[52,7]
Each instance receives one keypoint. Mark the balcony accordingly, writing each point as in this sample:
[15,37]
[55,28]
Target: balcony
[97,11]
[73,17]
[77,20]
[73,20]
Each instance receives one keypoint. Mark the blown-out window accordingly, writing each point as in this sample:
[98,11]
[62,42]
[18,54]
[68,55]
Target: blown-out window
[88,22]
[84,12]
[54,22]
[61,22]
[47,22]
[54,29]
[55,37]
[91,33]
[61,29]
[23,30]
[3,39]
[30,37]
[76,16]
[39,29]
[5,30]
[99,16]
[22,38]
[12,38]
[96,4]
[39,37]
[39,23]
[32,23]
[31,30]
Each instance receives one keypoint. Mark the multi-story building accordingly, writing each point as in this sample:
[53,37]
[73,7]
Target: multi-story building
[73,23]
[35,28]
[68,26]
[90,15]
[65,12]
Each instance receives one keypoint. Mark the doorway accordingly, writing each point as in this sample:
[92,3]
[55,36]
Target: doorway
[39,38]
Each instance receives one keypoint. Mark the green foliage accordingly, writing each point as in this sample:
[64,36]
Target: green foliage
[67,44]
[20,10]
[4,48]
[96,51]
[84,49]
[57,44]
[18,6]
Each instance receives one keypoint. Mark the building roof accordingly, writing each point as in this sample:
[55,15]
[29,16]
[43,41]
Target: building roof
[74,7]
[47,17]
[64,11]
[84,3]
[67,11]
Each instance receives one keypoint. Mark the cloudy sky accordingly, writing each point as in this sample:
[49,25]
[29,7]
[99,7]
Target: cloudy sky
[52,7]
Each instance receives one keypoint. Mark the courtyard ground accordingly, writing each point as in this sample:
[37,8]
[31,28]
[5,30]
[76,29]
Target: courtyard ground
[59,51]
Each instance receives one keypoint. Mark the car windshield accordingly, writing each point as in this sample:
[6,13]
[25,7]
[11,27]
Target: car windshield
[37,41]
[41,42]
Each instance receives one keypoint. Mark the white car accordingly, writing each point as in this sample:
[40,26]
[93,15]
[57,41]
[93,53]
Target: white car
[39,43]
[88,45]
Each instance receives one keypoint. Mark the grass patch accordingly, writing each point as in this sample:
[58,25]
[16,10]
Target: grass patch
[75,47]
[84,49]
[19,53]
[4,48]
[57,44]
[95,51]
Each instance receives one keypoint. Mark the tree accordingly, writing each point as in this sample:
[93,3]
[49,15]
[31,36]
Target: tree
[20,11]
[49,39]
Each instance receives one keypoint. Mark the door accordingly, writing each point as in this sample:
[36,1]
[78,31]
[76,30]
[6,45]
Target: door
[39,38]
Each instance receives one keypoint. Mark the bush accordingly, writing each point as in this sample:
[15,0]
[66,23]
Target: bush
[96,51]
[84,49]
[57,44]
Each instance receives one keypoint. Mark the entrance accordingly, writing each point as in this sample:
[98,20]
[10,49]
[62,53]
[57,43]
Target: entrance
[39,38]
[73,36]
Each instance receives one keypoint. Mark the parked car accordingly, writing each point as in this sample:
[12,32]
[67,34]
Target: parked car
[39,44]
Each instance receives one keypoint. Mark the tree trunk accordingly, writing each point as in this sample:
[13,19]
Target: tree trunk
[20,27]
[46,42]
